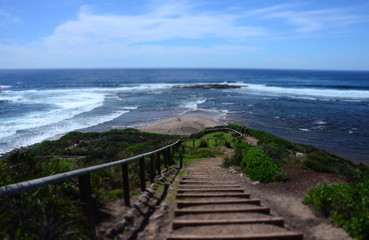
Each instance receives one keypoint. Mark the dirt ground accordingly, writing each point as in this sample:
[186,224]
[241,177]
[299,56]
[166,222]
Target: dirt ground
[284,199]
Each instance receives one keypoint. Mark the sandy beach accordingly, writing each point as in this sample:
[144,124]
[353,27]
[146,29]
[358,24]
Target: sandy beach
[180,125]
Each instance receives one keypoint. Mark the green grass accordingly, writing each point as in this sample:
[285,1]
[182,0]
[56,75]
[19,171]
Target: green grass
[209,140]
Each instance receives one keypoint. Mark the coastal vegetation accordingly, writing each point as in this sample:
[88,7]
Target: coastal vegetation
[347,205]
[54,211]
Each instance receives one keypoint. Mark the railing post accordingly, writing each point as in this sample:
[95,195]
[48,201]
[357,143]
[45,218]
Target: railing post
[85,192]
[158,163]
[165,158]
[152,168]
[193,144]
[125,184]
[142,174]
[180,160]
[169,153]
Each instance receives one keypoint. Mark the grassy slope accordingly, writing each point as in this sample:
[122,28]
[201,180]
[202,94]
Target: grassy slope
[53,212]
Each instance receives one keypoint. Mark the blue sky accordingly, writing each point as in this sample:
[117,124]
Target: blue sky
[184,33]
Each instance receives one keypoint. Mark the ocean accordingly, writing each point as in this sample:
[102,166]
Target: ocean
[326,109]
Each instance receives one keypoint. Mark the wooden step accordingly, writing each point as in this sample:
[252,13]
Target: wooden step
[210,190]
[198,177]
[183,203]
[208,186]
[204,182]
[185,223]
[184,195]
[265,210]
[259,236]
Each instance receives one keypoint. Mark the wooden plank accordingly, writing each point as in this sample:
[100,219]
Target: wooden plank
[210,190]
[152,168]
[265,210]
[208,186]
[85,193]
[125,184]
[245,195]
[158,163]
[198,177]
[185,223]
[275,236]
[203,182]
[142,174]
[181,204]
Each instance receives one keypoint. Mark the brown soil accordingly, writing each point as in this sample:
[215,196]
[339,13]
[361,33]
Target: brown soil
[284,199]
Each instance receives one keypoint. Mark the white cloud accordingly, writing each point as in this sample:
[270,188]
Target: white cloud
[165,22]
[313,20]
[95,37]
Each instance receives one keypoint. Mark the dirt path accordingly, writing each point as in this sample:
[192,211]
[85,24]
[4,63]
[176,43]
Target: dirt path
[284,205]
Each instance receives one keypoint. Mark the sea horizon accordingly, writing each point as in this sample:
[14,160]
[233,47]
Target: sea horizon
[324,108]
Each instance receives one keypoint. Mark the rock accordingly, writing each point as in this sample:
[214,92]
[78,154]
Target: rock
[156,216]
[209,86]
[163,207]
[300,155]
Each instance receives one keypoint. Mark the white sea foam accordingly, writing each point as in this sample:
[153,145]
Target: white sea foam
[62,114]
[5,86]
[304,129]
[193,103]
[319,122]
[38,134]
[64,104]
[309,92]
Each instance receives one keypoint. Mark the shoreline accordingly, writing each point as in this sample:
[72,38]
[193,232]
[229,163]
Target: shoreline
[180,125]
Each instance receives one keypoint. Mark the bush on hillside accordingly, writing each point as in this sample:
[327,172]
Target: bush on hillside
[259,166]
[347,205]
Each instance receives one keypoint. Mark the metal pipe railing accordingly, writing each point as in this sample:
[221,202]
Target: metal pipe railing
[18,188]
[84,174]
[84,180]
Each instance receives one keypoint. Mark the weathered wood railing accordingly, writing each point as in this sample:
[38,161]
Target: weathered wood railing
[84,175]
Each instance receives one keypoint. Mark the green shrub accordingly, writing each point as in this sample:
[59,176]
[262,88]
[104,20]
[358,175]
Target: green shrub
[115,194]
[259,167]
[236,158]
[42,214]
[347,205]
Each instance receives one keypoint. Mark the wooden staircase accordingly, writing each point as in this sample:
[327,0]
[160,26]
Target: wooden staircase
[211,208]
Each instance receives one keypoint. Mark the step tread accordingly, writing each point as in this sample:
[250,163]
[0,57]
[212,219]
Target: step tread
[246,195]
[210,190]
[266,220]
[204,202]
[223,210]
[277,235]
